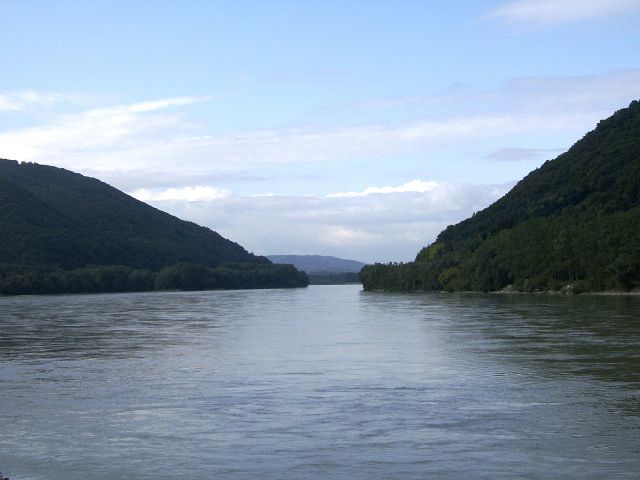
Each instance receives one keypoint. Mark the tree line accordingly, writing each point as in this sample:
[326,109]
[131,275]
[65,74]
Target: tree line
[23,280]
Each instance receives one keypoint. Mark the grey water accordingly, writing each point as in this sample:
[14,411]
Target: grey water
[327,382]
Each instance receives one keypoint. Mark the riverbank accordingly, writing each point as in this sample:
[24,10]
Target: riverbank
[570,290]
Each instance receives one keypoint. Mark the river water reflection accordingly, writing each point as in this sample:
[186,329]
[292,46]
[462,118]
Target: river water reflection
[324,382]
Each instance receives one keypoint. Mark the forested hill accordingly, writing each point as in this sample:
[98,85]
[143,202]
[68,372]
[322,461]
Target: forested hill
[573,224]
[54,220]
[319,263]
[323,269]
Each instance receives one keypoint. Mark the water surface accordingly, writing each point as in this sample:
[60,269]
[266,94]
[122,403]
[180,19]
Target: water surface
[325,382]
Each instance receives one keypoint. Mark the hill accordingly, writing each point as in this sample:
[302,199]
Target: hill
[53,220]
[313,264]
[573,224]
[323,270]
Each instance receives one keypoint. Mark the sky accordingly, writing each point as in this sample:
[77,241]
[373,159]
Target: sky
[358,129]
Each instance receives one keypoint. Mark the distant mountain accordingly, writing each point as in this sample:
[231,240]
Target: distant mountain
[313,264]
[55,220]
[572,224]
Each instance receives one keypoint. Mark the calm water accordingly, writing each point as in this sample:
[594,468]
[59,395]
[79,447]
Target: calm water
[319,383]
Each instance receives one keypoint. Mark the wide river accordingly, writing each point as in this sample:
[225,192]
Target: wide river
[326,382]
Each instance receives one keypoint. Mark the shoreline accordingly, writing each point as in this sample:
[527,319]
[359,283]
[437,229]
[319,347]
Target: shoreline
[509,291]
[568,290]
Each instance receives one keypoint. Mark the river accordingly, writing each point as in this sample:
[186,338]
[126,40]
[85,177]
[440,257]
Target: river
[326,382]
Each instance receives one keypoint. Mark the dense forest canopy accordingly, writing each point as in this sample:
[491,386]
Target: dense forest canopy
[573,224]
[62,231]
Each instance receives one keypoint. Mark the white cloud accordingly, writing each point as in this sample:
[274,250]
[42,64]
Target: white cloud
[8,103]
[100,139]
[515,154]
[547,12]
[142,107]
[188,194]
[138,136]
[20,101]
[387,226]
[156,136]
[412,186]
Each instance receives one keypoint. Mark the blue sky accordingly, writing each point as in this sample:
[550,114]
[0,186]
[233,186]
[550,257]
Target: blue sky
[356,129]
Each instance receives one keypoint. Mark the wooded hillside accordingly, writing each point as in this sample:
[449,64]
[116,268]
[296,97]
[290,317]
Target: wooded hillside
[53,222]
[573,223]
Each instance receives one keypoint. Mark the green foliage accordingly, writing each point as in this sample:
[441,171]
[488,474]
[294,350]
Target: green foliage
[430,253]
[333,278]
[184,276]
[625,270]
[16,280]
[574,224]
[451,279]
[21,280]
[188,276]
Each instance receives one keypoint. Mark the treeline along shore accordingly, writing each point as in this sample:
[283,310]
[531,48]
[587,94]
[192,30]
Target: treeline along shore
[17,280]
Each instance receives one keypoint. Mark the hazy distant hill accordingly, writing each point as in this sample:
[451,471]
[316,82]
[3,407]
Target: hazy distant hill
[573,223]
[52,220]
[313,264]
